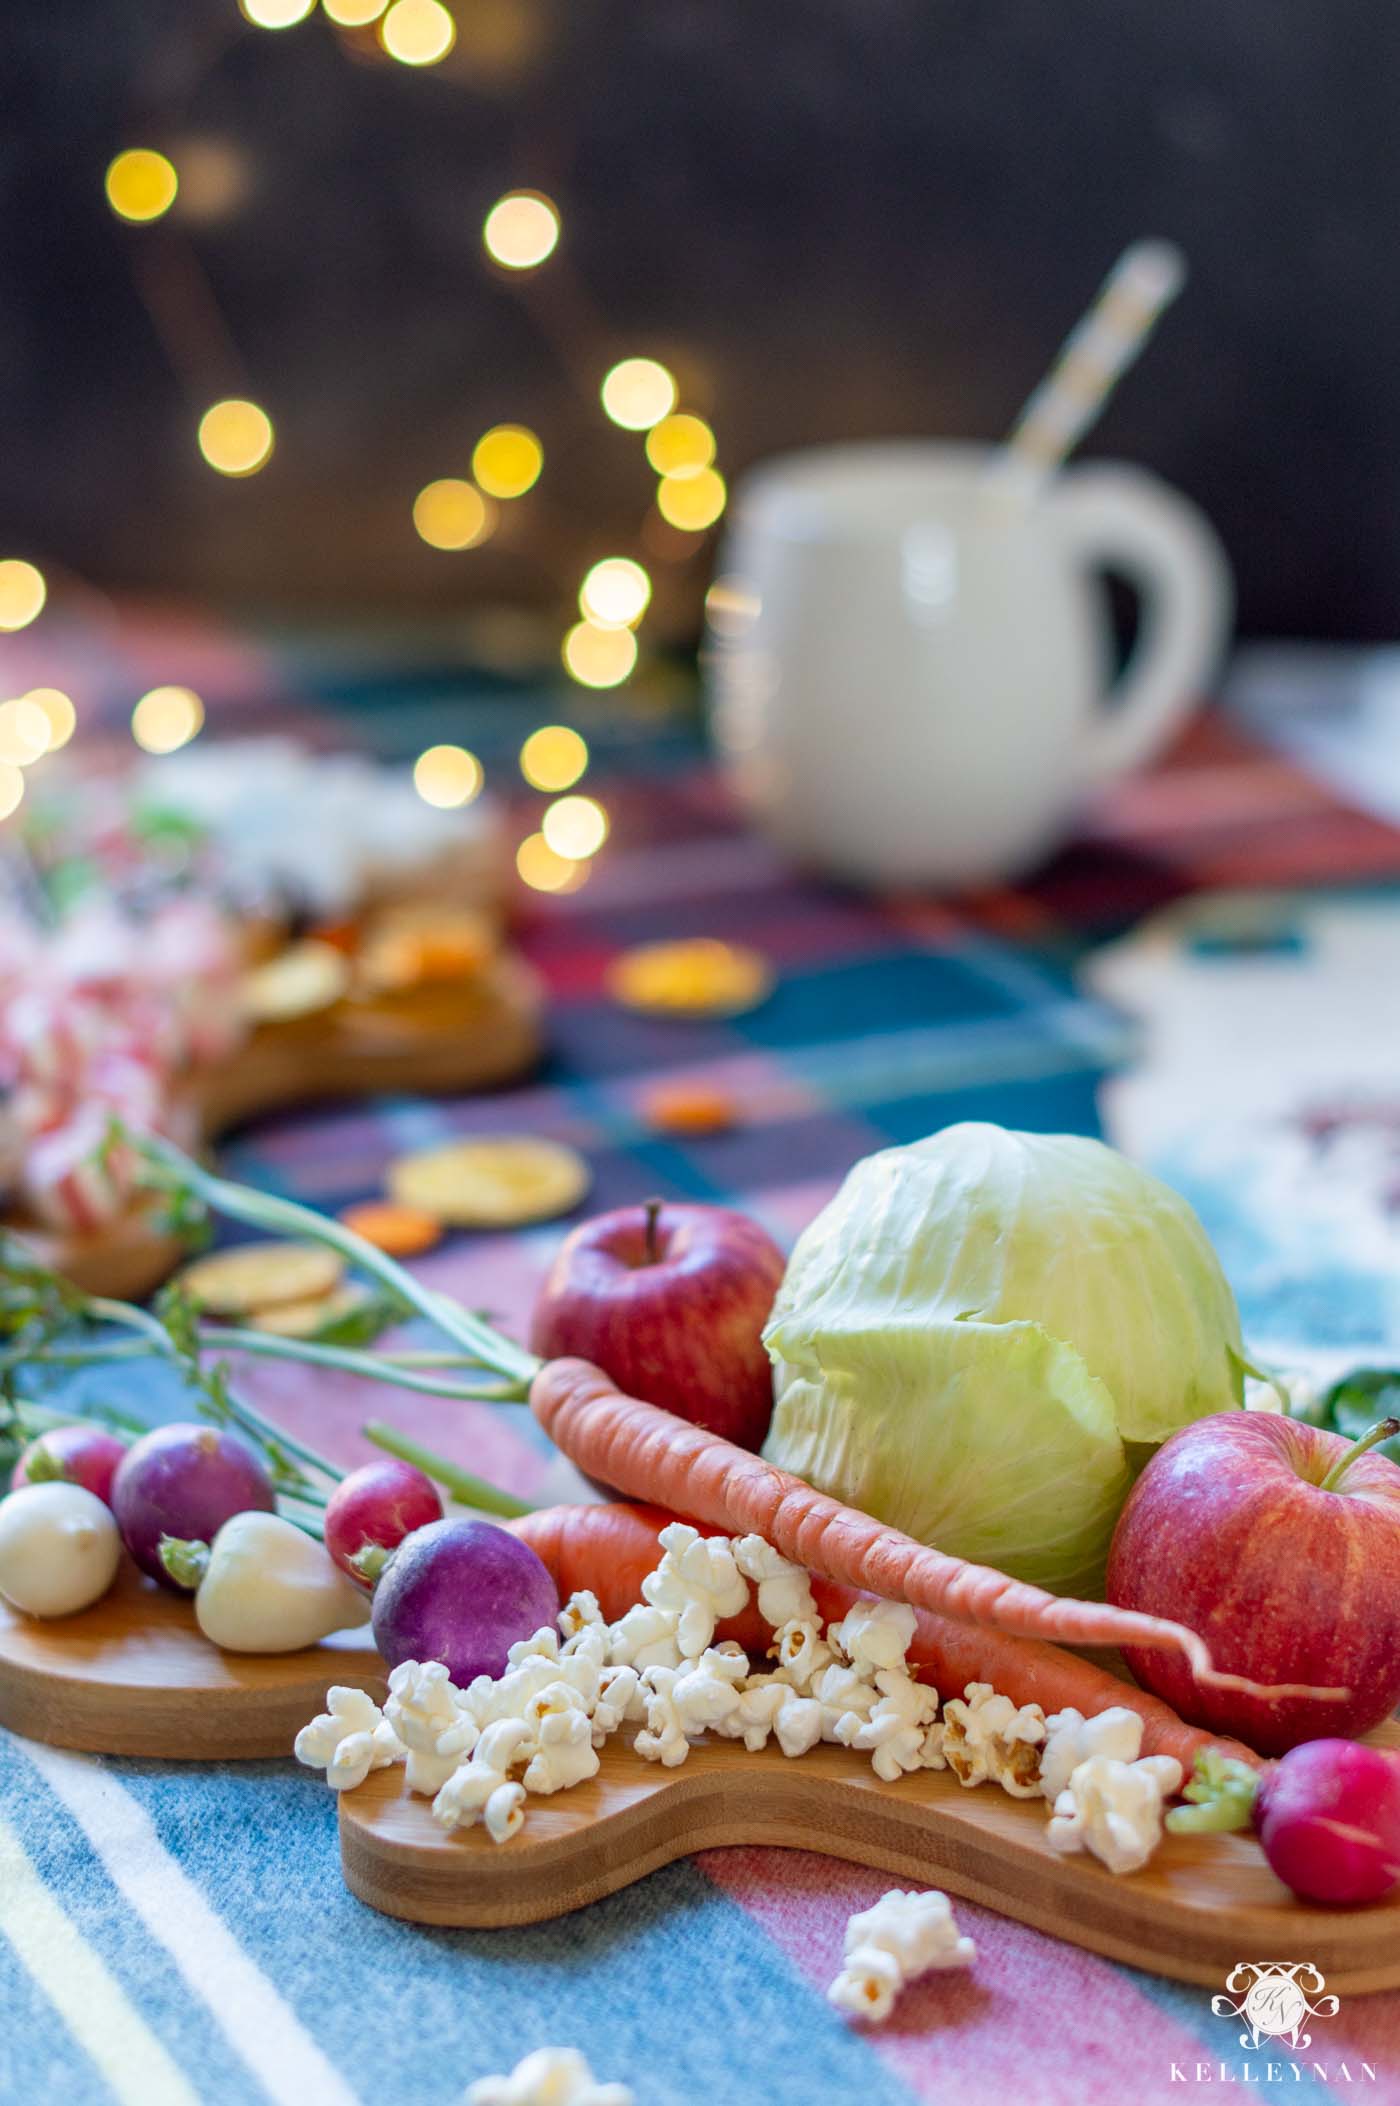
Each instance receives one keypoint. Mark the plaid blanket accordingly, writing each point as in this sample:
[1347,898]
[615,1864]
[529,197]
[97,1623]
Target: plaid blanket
[176,1933]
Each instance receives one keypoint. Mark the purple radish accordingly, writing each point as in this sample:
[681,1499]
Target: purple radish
[184,1481]
[462,1592]
[82,1454]
[1328,1817]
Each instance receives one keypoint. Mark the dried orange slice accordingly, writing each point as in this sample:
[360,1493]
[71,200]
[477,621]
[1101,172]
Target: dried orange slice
[690,1107]
[399,1231]
[699,976]
[494,1182]
[305,1319]
[301,981]
[261,1276]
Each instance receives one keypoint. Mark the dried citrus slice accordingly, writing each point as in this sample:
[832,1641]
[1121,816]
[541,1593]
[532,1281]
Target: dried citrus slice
[261,1276]
[699,976]
[495,1182]
[690,1107]
[408,947]
[303,980]
[304,1319]
[399,1231]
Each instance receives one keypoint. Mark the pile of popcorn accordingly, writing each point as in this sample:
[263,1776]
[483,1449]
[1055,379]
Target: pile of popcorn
[480,1752]
[98,1019]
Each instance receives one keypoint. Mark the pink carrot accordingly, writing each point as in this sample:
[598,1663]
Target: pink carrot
[650,1454]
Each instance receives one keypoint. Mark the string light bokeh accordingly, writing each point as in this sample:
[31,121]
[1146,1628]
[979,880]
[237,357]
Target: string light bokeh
[184,179]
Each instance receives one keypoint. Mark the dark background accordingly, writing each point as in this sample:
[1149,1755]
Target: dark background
[832,217]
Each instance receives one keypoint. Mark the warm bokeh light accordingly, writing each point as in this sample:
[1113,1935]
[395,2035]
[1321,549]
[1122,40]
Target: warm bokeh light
[12,789]
[22,593]
[521,229]
[447,776]
[638,393]
[599,657]
[615,593]
[24,732]
[507,460]
[553,758]
[546,871]
[141,184]
[418,32]
[732,606]
[575,827]
[680,445]
[276,14]
[166,719]
[235,436]
[59,712]
[452,514]
[354,14]
[691,502]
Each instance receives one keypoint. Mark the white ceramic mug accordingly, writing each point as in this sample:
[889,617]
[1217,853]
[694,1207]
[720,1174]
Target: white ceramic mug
[910,675]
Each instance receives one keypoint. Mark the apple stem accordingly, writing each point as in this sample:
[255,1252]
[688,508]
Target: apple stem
[1383,1430]
[652,1210]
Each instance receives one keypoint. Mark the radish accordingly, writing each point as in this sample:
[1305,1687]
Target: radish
[265,1587]
[462,1592]
[59,1549]
[184,1481]
[81,1454]
[1328,1817]
[371,1511]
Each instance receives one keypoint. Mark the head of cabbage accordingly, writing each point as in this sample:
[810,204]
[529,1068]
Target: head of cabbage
[980,1334]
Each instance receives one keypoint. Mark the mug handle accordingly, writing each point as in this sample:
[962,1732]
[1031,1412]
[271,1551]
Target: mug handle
[1121,519]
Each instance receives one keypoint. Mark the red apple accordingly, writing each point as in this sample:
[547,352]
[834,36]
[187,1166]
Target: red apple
[1280,1544]
[670,1301]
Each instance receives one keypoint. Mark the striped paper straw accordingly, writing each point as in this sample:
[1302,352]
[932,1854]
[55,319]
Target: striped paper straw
[1142,284]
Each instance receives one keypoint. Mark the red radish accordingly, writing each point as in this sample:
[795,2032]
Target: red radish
[671,1301]
[185,1481]
[462,1592]
[81,1454]
[1328,1817]
[371,1511]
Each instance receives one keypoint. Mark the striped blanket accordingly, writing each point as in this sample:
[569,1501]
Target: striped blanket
[178,1933]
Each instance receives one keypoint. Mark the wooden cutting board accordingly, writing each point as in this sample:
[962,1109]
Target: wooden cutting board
[462,1035]
[1204,1903]
[133,1675]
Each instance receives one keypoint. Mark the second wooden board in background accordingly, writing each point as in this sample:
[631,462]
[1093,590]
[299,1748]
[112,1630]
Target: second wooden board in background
[1201,1906]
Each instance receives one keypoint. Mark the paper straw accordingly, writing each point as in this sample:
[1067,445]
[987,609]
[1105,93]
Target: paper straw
[1143,282]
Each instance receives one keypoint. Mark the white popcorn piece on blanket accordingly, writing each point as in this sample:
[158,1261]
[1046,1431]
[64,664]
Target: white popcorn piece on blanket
[874,1634]
[551,2076]
[987,1736]
[1070,1739]
[698,1581]
[918,1928]
[1114,1809]
[348,1739]
[784,1589]
[902,1937]
[867,1985]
